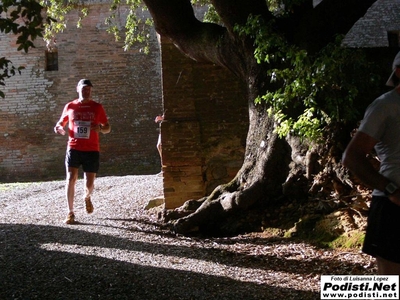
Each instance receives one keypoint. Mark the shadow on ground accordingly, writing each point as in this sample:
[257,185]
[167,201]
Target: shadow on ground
[28,271]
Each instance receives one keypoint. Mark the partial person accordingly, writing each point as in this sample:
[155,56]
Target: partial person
[159,120]
[379,131]
[86,119]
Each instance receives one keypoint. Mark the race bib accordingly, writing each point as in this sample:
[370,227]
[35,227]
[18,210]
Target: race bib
[82,129]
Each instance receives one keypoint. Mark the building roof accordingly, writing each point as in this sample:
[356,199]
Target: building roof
[372,30]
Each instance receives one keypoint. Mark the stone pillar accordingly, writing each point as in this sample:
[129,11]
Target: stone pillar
[204,129]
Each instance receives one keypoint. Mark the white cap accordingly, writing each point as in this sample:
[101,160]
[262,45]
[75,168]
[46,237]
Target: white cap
[84,82]
[396,62]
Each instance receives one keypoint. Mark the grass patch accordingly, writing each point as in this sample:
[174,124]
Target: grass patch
[350,240]
[11,186]
[306,229]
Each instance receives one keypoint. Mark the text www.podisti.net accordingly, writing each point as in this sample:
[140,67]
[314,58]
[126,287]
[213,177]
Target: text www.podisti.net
[359,287]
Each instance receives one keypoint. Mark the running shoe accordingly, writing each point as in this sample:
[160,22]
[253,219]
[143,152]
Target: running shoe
[89,205]
[70,219]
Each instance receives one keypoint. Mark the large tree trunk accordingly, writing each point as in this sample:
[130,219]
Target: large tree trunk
[268,159]
[260,179]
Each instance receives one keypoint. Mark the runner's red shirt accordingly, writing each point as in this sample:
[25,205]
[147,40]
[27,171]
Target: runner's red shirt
[80,116]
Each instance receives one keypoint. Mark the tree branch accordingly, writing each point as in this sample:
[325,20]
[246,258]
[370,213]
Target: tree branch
[200,41]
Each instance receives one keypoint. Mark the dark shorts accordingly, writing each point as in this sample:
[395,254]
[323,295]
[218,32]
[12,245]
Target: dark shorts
[89,160]
[383,230]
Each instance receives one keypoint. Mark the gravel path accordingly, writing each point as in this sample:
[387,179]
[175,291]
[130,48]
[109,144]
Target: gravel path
[119,252]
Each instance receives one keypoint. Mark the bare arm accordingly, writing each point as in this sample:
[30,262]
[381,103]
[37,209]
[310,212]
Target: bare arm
[103,128]
[59,128]
[355,159]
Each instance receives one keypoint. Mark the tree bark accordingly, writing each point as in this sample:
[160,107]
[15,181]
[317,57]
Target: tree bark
[267,159]
[260,179]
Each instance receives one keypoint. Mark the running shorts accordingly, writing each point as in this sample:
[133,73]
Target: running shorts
[383,230]
[89,160]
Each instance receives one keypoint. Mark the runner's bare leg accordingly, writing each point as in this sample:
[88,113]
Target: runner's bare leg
[72,177]
[89,183]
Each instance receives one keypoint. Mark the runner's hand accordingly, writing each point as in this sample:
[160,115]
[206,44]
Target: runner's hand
[395,198]
[59,129]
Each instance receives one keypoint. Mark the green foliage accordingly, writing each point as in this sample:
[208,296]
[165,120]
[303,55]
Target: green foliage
[136,28]
[6,71]
[211,15]
[282,8]
[30,19]
[24,19]
[57,10]
[308,94]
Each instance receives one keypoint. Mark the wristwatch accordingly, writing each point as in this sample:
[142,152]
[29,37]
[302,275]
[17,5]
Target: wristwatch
[390,189]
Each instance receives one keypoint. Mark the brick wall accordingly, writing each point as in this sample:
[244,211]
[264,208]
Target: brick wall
[128,84]
[206,115]
[205,127]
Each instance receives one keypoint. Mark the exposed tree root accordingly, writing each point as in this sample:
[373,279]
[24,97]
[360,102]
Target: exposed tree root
[315,182]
